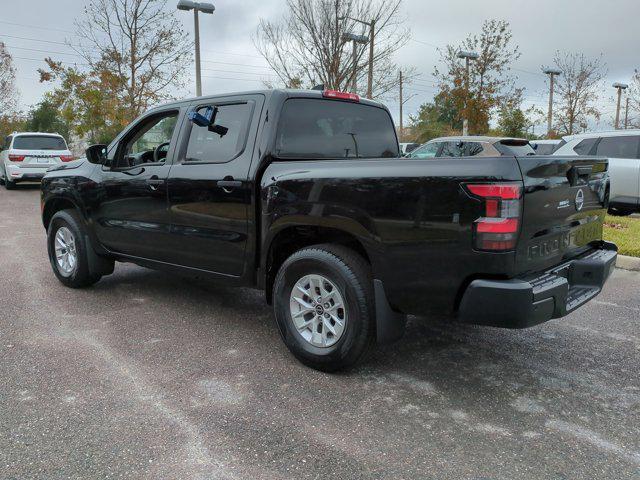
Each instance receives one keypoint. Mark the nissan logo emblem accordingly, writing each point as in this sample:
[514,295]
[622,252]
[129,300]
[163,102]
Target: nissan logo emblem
[579,200]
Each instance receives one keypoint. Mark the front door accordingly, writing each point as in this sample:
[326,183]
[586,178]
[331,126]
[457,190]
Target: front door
[131,213]
[209,188]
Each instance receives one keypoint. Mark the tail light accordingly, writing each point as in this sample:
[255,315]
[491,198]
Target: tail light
[341,95]
[66,158]
[16,158]
[498,229]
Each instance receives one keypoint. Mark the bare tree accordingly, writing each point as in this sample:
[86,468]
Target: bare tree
[8,92]
[140,42]
[634,100]
[307,47]
[576,91]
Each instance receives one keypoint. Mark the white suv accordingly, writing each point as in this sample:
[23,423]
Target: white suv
[26,156]
[622,147]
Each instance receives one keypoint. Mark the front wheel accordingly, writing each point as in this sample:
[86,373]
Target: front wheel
[323,304]
[68,250]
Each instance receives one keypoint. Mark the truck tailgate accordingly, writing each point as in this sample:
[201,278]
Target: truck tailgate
[563,208]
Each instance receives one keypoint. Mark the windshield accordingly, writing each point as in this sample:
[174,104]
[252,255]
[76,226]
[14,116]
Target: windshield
[39,142]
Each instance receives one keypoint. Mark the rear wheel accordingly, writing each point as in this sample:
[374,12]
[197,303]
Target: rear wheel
[8,184]
[323,304]
[68,250]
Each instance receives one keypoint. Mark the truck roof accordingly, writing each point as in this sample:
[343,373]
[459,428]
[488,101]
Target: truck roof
[288,92]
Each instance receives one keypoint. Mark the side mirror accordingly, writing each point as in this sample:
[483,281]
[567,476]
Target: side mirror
[96,154]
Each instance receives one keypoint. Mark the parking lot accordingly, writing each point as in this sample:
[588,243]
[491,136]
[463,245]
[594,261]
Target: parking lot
[147,375]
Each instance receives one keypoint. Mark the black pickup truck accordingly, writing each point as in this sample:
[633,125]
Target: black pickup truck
[304,194]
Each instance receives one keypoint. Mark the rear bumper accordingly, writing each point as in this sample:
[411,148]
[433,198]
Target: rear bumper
[521,303]
[18,172]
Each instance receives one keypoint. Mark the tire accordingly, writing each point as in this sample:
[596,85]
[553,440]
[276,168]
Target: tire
[620,212]
[68,224]
[347,272]
[9,185]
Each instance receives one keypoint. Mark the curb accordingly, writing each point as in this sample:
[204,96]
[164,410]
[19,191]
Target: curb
[628,263]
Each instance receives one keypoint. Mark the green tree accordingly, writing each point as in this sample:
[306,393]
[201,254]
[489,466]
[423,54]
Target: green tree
[513,122]
[430,122]
[91,103]
[490,83]
[46,117]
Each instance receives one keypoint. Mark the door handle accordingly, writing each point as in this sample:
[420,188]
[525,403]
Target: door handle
[228,184]
[155,182]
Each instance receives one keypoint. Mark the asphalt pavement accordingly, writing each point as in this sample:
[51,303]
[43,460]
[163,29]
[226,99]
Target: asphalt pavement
[151,376]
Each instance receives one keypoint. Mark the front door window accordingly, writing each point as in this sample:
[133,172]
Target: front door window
[149,143]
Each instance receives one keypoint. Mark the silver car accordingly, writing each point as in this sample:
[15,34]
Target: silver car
[622,147]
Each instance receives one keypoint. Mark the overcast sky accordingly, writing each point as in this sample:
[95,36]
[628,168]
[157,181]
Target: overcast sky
[231,63]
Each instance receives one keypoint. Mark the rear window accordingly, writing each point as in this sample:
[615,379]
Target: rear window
[517,148]
[314,128]
[545,148]
[618,147]
[39,142]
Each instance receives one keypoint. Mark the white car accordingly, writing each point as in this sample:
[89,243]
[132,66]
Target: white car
[26,156]
[622,147]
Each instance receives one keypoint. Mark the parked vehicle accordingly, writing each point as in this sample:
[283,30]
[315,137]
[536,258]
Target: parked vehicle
[473,146]
[406,148]
[303,194]
[545,147]
[622,147]
[26,156]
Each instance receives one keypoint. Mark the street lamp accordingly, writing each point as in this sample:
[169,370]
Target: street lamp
[552,72]
[351,37]
[372,29]
[620,87]
[197,7]
[468,56]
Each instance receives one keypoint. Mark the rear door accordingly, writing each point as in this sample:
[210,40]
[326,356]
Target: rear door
[563,208]
[209,188]
[624,167]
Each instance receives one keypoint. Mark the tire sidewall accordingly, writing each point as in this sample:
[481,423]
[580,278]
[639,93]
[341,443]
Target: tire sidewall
[353,338]
[81,272]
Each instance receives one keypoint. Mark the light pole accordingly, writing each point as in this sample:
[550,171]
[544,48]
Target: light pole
[620,87]
[372,30]
[350,37]
[467,57]
[552,72]
[197,7]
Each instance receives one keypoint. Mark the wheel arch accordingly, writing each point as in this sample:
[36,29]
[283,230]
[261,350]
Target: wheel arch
[292,238]
[56,204]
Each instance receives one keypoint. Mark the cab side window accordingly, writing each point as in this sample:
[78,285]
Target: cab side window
[7,143]
[213,147]
[149,141]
